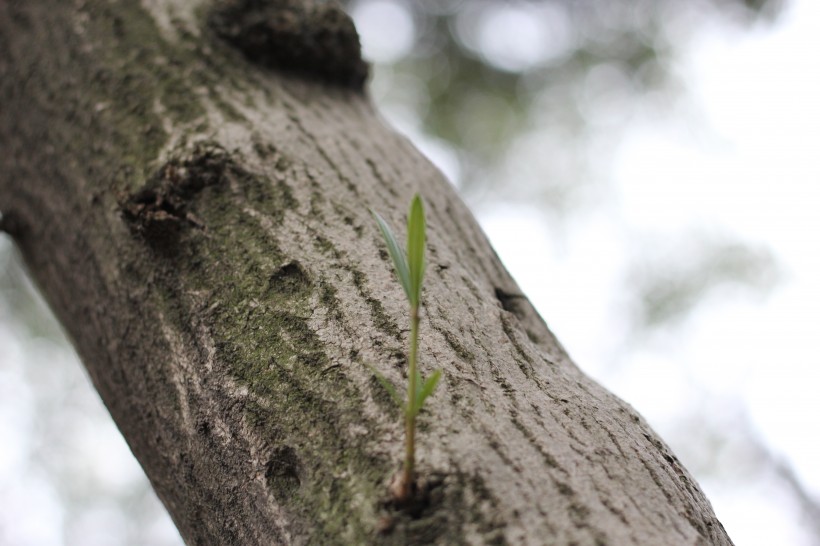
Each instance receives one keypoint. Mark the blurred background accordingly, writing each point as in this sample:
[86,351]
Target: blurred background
[648,170]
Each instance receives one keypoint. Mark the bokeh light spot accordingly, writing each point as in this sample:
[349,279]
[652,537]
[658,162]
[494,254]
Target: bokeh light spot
[386,29]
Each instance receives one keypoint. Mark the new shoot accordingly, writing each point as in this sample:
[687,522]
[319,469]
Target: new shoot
[410,271]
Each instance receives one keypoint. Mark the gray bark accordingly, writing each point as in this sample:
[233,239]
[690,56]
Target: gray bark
[195,209]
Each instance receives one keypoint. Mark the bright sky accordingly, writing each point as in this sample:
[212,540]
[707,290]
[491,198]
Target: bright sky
[745,161]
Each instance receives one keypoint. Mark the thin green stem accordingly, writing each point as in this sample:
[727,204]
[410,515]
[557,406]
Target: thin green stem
[412,410]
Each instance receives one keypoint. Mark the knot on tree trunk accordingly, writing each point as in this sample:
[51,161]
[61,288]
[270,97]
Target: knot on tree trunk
[309,38]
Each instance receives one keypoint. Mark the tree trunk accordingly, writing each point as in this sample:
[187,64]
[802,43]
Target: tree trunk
[190,187]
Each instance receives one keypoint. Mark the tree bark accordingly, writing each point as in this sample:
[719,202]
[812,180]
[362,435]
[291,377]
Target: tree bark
[189,185]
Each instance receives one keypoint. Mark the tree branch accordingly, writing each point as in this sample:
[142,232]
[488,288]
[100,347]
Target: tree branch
[199,224]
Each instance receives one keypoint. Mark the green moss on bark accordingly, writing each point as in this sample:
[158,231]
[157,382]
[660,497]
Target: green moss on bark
[260,307]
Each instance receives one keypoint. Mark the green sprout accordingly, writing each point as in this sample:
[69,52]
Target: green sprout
[410,271]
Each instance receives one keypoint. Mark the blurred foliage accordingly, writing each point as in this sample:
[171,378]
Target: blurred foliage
[672,279]
[503,82]
[530,98]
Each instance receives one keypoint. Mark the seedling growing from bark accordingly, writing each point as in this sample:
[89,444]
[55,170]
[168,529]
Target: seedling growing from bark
[410,271]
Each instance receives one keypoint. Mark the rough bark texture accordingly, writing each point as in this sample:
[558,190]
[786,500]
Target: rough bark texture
[197,216]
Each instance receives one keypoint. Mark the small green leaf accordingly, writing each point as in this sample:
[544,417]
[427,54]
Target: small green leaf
[429,386]
[396,253]
[426,389]
[391,390]
[415,249]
